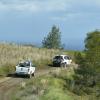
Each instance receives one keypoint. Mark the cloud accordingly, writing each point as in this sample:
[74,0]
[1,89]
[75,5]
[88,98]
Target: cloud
[50,5]
[33,5]
[83,9]
[59,9]
[18,7]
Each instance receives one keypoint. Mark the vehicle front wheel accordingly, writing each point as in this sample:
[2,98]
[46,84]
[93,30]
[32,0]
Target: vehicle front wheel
[54,65]
[30,76]
[65,65]
[15,75]
[33,74]
[61,65]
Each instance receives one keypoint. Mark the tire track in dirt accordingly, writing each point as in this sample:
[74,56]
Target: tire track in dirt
[7,85]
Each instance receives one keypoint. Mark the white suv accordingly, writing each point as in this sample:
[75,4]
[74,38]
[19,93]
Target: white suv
[25,68]
[62,60]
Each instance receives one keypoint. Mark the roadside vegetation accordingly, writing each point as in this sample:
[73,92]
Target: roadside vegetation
[11,54]
[87,76]
[57,85]
[53,86]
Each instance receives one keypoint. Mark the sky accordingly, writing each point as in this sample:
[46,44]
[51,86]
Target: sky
[29,21]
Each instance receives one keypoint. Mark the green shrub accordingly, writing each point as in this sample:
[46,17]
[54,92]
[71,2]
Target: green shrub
[55,94]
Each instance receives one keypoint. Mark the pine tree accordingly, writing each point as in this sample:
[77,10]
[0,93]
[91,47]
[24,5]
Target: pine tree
[53,39]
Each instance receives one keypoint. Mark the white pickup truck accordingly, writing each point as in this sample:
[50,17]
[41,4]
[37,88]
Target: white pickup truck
[25,68]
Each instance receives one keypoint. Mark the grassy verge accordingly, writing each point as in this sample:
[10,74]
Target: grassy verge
[57,85]
[48,87]
[11,54]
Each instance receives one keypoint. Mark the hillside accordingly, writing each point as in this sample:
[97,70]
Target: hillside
[50,83]
[11,54]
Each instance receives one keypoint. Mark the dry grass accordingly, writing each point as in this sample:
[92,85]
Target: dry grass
[11,54]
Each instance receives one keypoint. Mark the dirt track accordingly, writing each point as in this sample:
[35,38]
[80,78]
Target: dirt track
[8,84]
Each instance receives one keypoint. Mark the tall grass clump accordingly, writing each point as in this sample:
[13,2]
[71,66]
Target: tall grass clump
[11,54]
[44,88]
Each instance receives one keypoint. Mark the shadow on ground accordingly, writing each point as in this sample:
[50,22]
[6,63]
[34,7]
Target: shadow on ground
[13,75]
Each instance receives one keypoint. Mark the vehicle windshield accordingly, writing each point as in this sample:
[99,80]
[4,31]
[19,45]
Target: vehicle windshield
[25,64]
[58,57]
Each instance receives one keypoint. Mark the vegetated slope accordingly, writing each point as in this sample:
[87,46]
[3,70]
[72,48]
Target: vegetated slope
[56,85]
[8,85]
[52,86]
[11,54]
